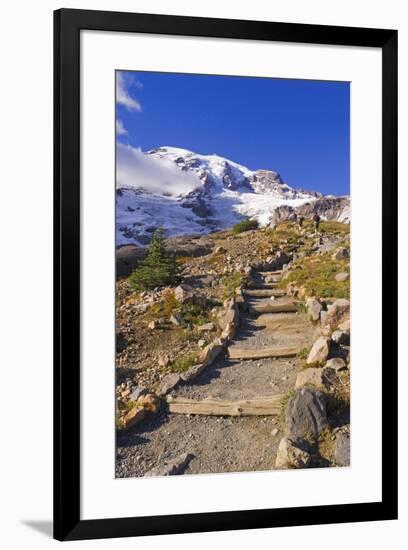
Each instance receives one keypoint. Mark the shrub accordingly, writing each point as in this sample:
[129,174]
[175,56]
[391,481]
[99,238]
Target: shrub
[158,269]
[245,225]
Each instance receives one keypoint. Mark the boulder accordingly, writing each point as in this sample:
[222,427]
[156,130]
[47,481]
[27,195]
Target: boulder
[292,454]
[182,293]
[128,257]
[341,277]
[323,317]
[210,352]
[150,402]
[164,360]
[342,449]
[337,364]
[192,372]
[314,307]
[168,383]
[185,246]
[341,338]
[228,332]
[345,326]
[135,415]
[175,319]
[321,378]
[339,309]
[319,351]
[229,316]
[136,393]
[305,415]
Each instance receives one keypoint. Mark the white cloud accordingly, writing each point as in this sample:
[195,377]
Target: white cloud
[120,129]
[123,95]
[155,175]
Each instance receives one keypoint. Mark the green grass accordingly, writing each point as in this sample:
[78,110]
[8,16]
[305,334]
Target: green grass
[230,283]
[194,314]
[304,353]
[282,412]
[301,307]
[245,225]
[286,231]
[184,362]
[334,228]
[317,275]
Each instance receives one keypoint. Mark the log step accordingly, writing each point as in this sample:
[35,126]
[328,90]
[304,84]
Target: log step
[236,352]
[262,406]
[267,273]
[260,286]
[263,292]
[271,307]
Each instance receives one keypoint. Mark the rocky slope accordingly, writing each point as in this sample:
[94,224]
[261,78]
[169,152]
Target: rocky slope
[165,337]
[190,193]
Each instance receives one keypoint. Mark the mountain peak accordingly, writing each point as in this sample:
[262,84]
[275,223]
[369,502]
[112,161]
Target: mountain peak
[187,192]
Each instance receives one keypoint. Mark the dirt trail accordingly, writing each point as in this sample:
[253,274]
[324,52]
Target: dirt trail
[224,444]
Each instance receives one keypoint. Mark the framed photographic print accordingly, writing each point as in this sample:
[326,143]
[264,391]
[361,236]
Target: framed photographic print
[225,232]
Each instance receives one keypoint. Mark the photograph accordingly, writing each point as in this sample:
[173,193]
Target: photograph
[232,274]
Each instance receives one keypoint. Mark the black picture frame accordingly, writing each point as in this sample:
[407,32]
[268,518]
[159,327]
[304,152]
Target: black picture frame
[67,26]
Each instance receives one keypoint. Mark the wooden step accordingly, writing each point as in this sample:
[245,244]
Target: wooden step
[236,352]
[267,273]
[260,285]
[269,306]
[262,406]
[264,292]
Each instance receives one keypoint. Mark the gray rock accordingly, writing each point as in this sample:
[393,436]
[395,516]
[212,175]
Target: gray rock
[345,326]
[305,415]
[209,353]
[229,316]
[192,373]
[319,351]
[336,311]
[175,319]
[207,280]
[168,382]
[137,392]
[337,364]
[318,377]
[314,307]
[141,308]
[340,337]
[181,293]
[292,453]
[127,258]
[342,449]
[341,277]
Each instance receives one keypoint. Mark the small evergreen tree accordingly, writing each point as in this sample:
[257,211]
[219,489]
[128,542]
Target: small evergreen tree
[159,267]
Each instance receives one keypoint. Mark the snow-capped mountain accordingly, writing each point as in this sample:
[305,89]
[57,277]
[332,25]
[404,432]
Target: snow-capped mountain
[188,193]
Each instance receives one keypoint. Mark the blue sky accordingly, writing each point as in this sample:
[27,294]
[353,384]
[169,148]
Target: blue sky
[299,128]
